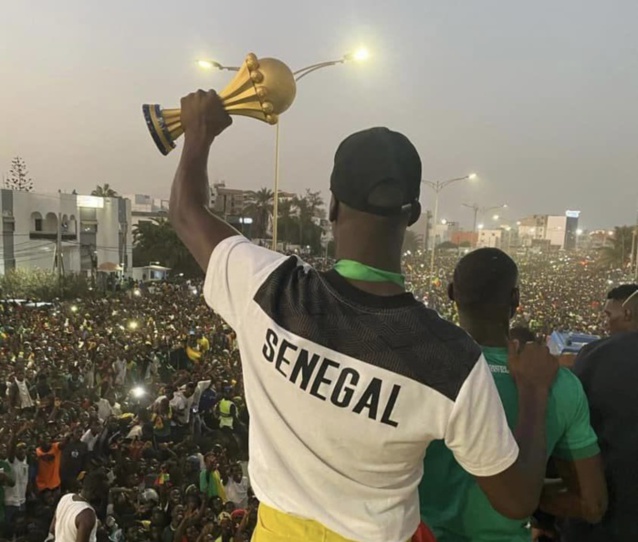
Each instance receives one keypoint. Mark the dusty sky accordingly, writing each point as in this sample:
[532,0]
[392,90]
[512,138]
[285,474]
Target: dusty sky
[539,98]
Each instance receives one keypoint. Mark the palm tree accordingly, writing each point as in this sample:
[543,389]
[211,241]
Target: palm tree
[259,206]
[410,241]
[285,219]
[304,213]
[104,191]
[315,203]
[619,253]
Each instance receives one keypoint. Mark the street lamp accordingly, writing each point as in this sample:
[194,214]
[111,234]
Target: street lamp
[478,210]
[209,64]
[437,186]
[358,55]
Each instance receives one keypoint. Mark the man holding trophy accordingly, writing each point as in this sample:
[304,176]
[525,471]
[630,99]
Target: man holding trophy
[348,378]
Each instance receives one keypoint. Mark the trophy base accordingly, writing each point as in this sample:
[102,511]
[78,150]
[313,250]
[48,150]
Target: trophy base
[157,127]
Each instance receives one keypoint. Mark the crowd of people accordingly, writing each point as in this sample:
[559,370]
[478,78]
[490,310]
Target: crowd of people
[562,291]
[146,386]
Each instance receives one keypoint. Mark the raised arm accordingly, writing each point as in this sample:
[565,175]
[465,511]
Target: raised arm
[516,492]
[203,118]
[509,468]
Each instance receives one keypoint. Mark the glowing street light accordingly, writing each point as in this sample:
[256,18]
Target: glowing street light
[437,186]
[482,211]
[496,217]
[359,55]
[480,226]
[208,64]
[133,325]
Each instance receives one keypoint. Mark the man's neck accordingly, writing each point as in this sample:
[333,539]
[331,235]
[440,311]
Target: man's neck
[486,332]
[385,260]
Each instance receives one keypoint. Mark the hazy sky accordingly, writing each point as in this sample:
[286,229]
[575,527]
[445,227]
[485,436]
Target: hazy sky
[539,98]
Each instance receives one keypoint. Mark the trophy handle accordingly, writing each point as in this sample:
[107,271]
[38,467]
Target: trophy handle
[164,125]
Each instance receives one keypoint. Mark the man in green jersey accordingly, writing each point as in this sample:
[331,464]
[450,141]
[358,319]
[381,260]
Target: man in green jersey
[485,290]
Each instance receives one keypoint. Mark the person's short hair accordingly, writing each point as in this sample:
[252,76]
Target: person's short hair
[522,334]
[484,277]
[96,483]
[623,292]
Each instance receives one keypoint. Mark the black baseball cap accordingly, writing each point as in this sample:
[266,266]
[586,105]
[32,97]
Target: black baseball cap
[377,171]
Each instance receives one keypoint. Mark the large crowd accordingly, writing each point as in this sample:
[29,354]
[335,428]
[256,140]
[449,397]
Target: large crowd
[146,386]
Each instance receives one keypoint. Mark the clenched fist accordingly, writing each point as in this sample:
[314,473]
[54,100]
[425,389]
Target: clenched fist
[532,365]
[203,115]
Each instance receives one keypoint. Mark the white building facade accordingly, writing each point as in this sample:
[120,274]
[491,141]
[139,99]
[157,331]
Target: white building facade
[87,231]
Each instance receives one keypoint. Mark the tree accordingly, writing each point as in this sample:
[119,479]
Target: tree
[104,191]
[315,203]
[618,254]
[259,206]
[411,241]
[18,178]
[157,241]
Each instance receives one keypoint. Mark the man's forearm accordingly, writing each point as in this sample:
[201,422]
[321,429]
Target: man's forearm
[530,434]
[190,186]
[195,225]
[557,500]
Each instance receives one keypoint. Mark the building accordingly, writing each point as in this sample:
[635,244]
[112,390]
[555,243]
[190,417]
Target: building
[228,201]
[86,231]
[556,231]
[489,238]
[146,208]
[443,232]
[463,238]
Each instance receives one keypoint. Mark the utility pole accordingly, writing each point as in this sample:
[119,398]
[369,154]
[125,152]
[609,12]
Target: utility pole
[59,262]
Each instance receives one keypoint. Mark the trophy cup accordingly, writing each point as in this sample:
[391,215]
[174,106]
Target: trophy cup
[261,89]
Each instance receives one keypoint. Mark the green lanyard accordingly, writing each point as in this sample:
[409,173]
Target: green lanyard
[350,269]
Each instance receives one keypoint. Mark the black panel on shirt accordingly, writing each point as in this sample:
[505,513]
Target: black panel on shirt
[395,333]
[608,370]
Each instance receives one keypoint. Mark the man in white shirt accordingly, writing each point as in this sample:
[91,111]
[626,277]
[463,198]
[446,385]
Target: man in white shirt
[236,487]
[92,435]
[107,407]
[182,403]
[348,378]
[18,391]
[15,497]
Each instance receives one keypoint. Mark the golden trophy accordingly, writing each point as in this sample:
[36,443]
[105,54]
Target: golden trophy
[262,89]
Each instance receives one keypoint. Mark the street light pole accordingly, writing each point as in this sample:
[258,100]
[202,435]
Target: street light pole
[359,55]
[482,210]
[437,186]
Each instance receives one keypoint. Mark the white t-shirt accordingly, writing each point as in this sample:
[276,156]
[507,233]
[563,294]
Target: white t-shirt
[17,495]
[346,391]
[90,439]
[105,410]
[181,406]
[237,492]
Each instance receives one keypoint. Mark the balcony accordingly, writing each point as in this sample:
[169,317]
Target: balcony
[51,236]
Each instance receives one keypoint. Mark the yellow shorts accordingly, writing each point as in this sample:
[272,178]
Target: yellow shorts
[275,526]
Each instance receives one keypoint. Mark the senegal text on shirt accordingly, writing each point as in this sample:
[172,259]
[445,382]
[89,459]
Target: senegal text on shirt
[311,373]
